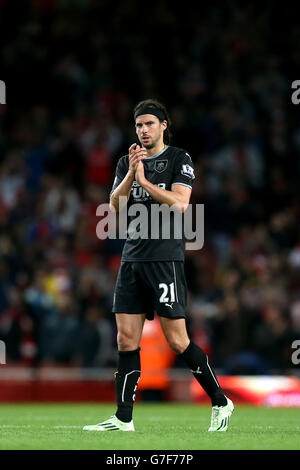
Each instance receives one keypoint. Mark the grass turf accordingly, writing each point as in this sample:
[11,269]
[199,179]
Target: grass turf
[158,427]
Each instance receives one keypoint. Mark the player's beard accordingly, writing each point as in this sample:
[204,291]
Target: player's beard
[151,144]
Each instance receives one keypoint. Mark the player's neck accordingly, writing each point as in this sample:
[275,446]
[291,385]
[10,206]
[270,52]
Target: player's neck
[158,148]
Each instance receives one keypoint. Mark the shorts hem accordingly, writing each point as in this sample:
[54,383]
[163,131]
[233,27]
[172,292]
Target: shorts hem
[174,317]
[128,310]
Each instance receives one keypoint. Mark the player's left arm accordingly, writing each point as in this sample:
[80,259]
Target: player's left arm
[179,196]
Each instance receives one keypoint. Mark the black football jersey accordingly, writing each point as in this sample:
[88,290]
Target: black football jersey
[170,166]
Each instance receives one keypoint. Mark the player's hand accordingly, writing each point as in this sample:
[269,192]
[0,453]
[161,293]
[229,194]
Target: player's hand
[136,154]
[140,173]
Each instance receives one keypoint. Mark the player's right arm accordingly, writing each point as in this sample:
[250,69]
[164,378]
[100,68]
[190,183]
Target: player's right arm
[124,185]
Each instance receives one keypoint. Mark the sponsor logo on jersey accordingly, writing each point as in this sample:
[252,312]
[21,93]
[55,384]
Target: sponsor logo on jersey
[187,170]
[160,165]
[140,194]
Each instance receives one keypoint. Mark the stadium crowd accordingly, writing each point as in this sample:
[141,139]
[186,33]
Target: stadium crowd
[74,71]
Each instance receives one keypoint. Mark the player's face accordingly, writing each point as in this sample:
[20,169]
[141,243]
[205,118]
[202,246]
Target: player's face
[150,130]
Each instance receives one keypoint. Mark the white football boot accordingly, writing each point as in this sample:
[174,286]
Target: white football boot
[220,416]
[111,424]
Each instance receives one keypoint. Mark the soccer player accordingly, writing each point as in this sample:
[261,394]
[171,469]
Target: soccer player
[151,277]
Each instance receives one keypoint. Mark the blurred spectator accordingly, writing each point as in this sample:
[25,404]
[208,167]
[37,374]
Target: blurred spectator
[96,348]
[17,331]
[59,333]
[62,206]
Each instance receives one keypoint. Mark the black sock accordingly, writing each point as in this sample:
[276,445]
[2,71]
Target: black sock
[126,379]
[197,360]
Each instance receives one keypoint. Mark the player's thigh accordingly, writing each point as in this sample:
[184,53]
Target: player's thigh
[175,333]
[131,295]
[168,285]
[130,329]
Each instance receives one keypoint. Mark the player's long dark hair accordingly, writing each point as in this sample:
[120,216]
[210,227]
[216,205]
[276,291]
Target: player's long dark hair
[152,103]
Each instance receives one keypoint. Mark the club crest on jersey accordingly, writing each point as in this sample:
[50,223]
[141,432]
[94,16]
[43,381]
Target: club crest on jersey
[187,170]
[160,165]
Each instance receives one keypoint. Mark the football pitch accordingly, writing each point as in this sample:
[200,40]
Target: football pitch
[158,426]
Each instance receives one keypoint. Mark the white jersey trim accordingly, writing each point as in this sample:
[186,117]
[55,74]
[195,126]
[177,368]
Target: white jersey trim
[183,184]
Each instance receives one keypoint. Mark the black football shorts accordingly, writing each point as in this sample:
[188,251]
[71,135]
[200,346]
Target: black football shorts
[151,286]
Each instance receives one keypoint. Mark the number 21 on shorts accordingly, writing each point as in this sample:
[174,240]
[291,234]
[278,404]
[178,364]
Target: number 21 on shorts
[168,294]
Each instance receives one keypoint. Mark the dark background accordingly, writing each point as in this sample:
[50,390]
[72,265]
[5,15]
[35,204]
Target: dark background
[74,71]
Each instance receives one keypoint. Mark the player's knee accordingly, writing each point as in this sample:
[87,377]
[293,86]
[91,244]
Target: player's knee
[126,340]
[177,345]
